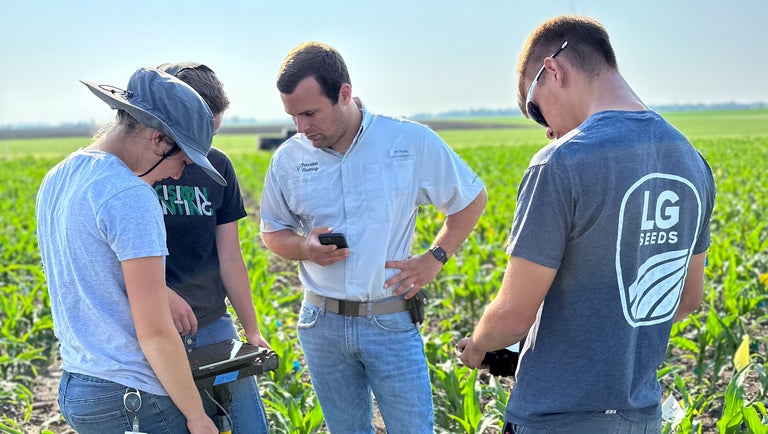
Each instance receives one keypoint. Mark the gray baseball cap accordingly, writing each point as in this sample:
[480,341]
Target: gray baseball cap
[161,101]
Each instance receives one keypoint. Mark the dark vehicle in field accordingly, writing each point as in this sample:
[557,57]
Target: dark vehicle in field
[271,142]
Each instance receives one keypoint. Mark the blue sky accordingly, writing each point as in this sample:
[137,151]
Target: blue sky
[405,56]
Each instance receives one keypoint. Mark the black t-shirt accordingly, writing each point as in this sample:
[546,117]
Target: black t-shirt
[192,207]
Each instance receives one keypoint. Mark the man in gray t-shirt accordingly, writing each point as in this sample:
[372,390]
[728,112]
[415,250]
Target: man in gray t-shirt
[607,248]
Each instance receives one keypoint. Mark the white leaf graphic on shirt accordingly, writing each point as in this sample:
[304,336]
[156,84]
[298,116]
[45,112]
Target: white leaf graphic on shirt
[657,288]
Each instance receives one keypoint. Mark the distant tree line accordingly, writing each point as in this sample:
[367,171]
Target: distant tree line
[238,125]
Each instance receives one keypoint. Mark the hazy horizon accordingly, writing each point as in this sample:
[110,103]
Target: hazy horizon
[447,115]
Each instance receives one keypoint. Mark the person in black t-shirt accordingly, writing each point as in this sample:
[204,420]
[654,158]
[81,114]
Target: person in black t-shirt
[205,269]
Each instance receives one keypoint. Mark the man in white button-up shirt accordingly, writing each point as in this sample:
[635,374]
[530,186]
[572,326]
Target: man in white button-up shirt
[364,175]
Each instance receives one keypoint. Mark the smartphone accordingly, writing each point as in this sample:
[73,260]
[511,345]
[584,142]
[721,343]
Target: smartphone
[335,238]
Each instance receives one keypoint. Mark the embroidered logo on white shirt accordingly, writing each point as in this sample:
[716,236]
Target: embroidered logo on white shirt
[404,152]
[313,166]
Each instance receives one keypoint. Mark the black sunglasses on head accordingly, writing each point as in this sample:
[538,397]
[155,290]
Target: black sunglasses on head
[530,106]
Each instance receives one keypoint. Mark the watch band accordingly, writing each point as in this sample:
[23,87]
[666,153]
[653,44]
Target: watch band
[439,254]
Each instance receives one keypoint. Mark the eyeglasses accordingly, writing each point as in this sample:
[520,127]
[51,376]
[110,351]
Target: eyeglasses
[533,109]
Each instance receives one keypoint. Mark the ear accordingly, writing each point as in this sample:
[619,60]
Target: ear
[156,136]
[158,139]
[345,93]
[556,70]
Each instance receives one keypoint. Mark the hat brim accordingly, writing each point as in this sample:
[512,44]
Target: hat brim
[117,101]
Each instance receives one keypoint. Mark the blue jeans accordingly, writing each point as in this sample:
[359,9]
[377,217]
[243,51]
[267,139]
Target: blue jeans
[350,357]
[92,405]
[594,423]
[246,409]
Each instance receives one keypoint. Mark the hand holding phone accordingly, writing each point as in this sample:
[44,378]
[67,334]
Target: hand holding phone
[336,238]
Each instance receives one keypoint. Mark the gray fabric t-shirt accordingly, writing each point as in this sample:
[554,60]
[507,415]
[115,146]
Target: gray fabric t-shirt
[93,213]
[618,207]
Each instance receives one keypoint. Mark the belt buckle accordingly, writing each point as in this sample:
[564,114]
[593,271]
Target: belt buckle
[349,308]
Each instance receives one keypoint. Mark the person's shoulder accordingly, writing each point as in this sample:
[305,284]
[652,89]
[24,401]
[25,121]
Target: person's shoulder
[220,160]
[400,123]
[292,147]
[125,189]
[216,155]
[555,149]
[414,132]
[107,172]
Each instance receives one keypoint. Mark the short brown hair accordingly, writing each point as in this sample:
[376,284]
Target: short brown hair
[203,80]
[589,48]
[314,59]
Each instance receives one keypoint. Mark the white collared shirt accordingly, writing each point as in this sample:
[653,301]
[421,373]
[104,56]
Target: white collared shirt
[371,193]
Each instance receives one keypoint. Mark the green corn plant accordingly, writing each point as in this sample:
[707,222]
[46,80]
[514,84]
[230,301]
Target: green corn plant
[472,420]
[497,405]
[694,403]
[19,396]
[740,416]
[289,372]
[714,346]
[446,387]
[10,426]
[294,414]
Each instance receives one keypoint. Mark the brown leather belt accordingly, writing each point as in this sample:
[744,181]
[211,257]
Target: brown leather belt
[356,308]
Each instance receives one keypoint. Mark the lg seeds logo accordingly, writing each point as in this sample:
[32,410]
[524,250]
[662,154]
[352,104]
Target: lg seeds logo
[651,277]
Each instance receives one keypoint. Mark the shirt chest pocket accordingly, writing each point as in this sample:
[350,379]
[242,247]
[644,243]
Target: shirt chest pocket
[390,187]
[314,196]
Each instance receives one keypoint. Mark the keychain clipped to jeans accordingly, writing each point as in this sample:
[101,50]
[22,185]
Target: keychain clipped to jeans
[132,403]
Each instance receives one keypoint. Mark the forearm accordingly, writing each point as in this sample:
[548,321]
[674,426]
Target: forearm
[156,334]
[234,275]
[458,226]
[510,315]
[419,270]
[235,278]
[246,313]
[499,327]
[286,244]
[290,245]
[495,330]
[165,353]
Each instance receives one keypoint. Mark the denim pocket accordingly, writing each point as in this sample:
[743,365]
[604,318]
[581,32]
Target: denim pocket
[92,404]
[398,322]
[87,390]
[308,316]
[83,422]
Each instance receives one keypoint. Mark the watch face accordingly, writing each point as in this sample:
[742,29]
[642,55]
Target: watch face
[439,254]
